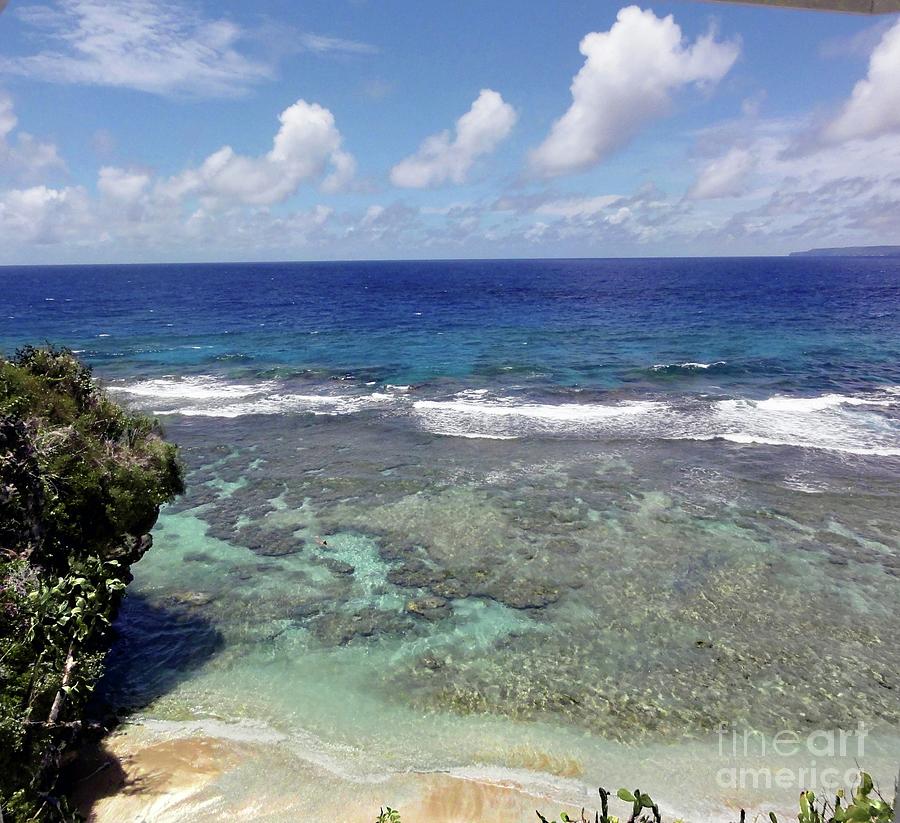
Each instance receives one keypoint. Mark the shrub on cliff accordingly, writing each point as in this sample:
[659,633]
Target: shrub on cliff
[81,483]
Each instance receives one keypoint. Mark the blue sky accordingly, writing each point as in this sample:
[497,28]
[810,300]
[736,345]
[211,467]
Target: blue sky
[176,130]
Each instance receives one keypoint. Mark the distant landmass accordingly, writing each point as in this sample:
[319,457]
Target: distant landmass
[851,251]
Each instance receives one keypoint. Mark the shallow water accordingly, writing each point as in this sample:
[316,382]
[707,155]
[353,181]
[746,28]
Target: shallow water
[554,524]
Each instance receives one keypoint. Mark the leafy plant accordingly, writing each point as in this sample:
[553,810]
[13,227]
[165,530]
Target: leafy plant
[638,802]
[866,806]
[81,483]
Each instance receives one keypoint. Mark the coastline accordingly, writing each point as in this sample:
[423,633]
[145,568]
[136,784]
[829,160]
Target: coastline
[617,557]
[139,774]
[180,772]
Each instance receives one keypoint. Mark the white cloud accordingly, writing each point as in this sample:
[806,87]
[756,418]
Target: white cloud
[614,221]
[259,229]
[723,176]
[627,79]
[159,47]
[874,107]
[25,158]
[321,44]
[380,224]
[578,206]
[858,44]
[442,158]
[829,194]
[40,215]
[812,186]
[223,203]
[8,119]
[344,168]
[305,145]
[122,185]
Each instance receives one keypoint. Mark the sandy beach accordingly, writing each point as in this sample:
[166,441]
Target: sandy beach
[140,775]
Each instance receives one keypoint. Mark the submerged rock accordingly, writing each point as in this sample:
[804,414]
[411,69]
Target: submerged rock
[338,566]
[339,629]
[429,607]
[306,610]
[451,588]
[198,557]
[191,599]
[561,546]
[525,594]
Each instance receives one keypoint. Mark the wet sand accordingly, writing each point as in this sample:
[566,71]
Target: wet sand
[139,776]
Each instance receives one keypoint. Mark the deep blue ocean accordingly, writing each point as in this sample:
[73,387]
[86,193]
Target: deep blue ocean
[545,523]
[771,324]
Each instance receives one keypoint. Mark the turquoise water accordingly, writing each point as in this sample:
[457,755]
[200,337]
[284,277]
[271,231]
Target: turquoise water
[555,522]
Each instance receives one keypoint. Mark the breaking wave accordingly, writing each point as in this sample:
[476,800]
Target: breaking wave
[476,414]
[866,424]
[686,368]
[200,388]
[209,396]
[841,423]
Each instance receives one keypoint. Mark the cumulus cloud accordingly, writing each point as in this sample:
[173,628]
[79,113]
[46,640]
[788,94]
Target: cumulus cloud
[122,185]
[22,156]
[41,215]
[874,107]
[444,157]
[723,176]
[830,194]
[224,202]
[306,144]
[812,186]
[628,78]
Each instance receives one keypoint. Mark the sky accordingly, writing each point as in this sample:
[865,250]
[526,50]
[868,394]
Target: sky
[177,130]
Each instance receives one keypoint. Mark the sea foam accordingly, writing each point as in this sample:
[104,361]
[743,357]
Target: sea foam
[506,418]
[201,387]
[865,424]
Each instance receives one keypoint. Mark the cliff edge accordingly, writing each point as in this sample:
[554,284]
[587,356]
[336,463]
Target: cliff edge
[81,484]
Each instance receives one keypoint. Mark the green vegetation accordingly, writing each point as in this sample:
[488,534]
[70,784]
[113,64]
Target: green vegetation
[81,483]
[863,805]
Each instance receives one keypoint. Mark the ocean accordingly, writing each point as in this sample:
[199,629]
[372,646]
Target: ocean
[549,524]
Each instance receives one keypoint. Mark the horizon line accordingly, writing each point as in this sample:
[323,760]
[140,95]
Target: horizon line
[427,260]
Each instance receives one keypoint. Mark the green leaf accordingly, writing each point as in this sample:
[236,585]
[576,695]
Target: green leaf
[865,783]
[624,794]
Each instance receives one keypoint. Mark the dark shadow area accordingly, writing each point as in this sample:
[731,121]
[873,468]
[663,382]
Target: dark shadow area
[154,648]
